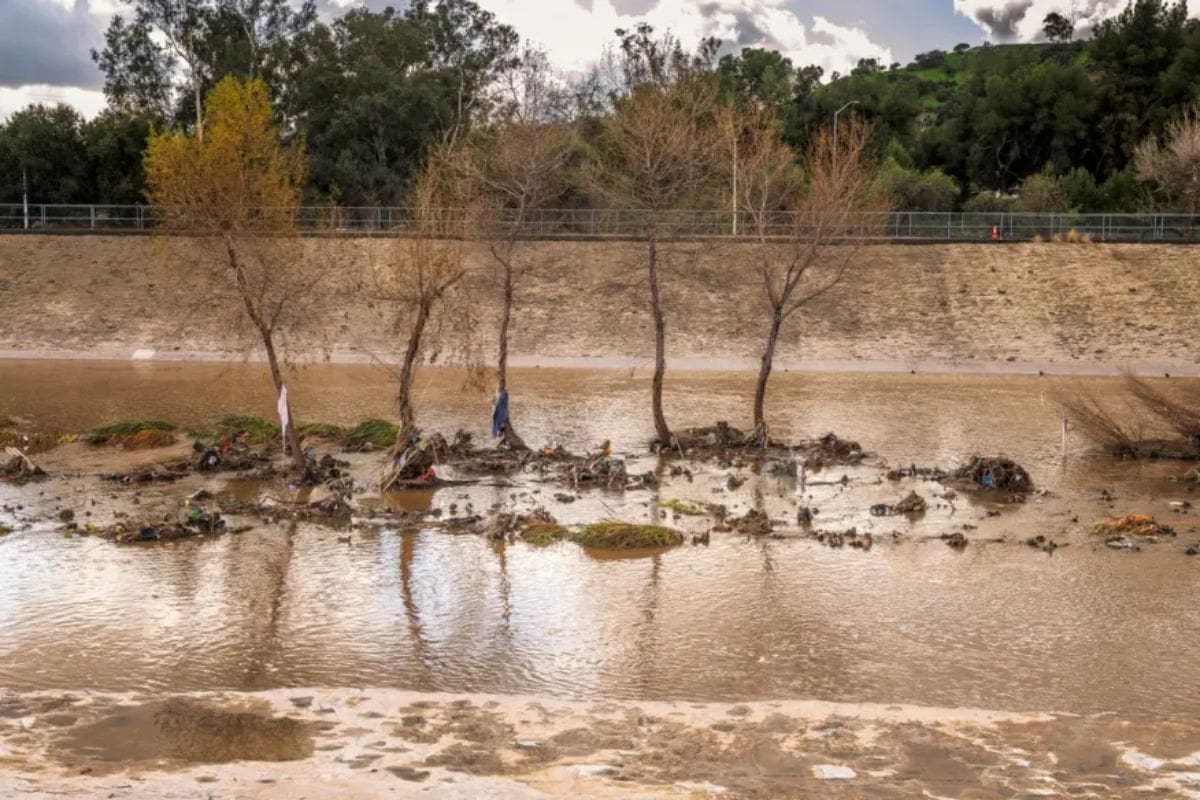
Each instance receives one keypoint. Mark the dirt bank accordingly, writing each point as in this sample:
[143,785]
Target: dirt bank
[1035,304]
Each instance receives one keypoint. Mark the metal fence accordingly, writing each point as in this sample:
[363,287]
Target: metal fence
[618,223]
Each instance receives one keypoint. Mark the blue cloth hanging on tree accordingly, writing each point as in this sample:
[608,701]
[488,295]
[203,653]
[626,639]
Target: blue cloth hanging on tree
[500,413]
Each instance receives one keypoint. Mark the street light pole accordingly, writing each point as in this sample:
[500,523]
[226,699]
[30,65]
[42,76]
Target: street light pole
[835,130]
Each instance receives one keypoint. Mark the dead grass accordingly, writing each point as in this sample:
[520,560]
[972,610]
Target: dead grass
[1116,434]
[1182,417]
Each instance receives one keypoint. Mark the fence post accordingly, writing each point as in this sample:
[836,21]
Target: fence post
[92,212]
[43,216]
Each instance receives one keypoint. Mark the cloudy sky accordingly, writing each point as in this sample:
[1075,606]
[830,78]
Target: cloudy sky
[44,44]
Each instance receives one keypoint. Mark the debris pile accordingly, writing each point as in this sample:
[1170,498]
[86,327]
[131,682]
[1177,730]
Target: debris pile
[1139,526]
[17,469]
[831,450]
[601,471]
[994,473]
[912,504]
[752,523]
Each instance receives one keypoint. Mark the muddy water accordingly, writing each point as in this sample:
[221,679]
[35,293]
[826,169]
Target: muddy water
[997,626]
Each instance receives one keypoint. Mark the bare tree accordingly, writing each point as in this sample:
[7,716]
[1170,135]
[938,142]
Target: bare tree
[805,219]
[513,169]
[658,154]
[420,270]
[1173,164]
[235,195]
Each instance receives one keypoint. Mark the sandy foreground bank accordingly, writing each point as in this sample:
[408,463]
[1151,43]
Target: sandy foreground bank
[351,743]
[1024,307]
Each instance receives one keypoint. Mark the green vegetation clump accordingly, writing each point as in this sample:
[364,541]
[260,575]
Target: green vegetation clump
[378,433]
[541,534]
[682,508]
[613,535]
[252,430]
[7,422]
[321,430]
[132,434]
[5,530]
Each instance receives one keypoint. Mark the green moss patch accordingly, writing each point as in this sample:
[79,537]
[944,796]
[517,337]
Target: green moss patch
[320,430]
[542,534]
[375,433]
[252,430]
[134,434]
[682,508]
[613,535]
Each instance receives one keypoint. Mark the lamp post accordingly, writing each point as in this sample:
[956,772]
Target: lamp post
[835,130]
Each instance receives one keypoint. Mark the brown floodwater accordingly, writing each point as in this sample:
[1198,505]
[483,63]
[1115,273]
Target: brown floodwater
[999,625]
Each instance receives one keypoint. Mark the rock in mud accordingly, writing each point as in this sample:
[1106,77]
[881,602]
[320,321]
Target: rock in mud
[1042,543]
[833,772]
[955,541]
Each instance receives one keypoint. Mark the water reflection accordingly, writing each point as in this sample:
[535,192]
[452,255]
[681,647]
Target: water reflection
[998,626]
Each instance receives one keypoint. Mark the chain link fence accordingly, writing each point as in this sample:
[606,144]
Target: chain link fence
[629,223]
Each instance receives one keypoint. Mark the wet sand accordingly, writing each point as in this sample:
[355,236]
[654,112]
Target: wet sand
[320,743]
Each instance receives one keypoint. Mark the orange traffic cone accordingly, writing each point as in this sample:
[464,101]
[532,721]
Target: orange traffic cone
[995,232]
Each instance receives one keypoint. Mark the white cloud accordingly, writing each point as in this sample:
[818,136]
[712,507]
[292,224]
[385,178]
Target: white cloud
[575,36]
[88,102]
[1021,20]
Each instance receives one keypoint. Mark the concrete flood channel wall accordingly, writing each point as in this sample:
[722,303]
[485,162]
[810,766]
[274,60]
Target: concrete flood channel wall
[1064,305]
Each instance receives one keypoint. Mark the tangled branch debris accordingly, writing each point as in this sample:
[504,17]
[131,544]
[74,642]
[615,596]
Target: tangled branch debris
[994,473]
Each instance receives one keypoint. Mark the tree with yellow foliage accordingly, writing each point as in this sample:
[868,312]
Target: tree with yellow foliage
[235,195]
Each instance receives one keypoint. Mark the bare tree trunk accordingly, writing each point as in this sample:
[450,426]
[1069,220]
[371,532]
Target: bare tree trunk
[408,415]
[268,339]
[505,318]
[661,431]
[291,436]
[764,374]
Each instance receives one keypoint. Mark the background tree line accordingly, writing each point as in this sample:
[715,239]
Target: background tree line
[1056,126]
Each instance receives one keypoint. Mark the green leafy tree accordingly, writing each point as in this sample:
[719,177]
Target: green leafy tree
[234,193]
[378,90]
[115,143]
[42,147]
[137,70]
[1130,53]
[1058,28]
